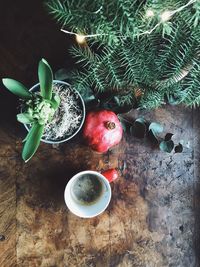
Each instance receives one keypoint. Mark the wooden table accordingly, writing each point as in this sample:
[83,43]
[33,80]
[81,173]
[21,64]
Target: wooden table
[153,218]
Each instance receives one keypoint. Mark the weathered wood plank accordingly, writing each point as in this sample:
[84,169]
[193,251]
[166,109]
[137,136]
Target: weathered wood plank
[150,221]
[196,199]
[7,204]
[153,218]
[49,235]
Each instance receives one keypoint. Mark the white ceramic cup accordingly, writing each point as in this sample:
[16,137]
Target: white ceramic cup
[94,209]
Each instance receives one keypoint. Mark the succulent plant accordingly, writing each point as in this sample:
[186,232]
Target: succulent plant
[38,107]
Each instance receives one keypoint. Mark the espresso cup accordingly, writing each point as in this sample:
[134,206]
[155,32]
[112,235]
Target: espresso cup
[87,194]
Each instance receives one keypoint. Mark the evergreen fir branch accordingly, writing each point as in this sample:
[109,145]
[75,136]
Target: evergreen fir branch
[125,10]
[84,55]
[170,47]
[81,81]
[128,60]
[162,63]
[98,80]
[60,11]
[111,66]
[191,93]
[174,79]
[152,99]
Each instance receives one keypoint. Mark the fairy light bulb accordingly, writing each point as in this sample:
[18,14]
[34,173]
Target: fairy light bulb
[80,38]
[165,16]
[149,13]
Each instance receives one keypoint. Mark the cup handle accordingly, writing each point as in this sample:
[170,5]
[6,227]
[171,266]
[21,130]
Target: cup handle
[110,174]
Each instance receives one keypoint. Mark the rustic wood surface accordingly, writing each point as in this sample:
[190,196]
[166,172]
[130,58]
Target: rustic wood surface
[153,218]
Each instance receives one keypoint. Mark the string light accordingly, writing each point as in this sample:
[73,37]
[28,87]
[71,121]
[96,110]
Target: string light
[165,16]
[86,36]
[80,38]
[149,13]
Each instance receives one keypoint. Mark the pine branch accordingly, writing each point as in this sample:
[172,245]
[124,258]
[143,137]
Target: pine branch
[164,61]
[191,95]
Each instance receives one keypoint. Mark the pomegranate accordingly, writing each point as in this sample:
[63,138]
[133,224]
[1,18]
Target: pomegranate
[111,175]
[102,130]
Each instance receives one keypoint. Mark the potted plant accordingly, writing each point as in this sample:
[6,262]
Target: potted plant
[52,111]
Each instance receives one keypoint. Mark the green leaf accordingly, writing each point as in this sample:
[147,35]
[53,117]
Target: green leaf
[126,125]
[167,146]
[62,75]
[156,128]
[55,101]
[152,138]
[139,128]
[27,136]
[17,88]
[25,118]
[32,141]
[46,79]
[178,148]
[168,136]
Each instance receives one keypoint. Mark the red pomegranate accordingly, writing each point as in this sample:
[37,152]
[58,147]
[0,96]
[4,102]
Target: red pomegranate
[111,175]
[102,130]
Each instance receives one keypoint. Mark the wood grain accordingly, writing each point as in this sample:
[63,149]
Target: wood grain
[150,220]
[7,201]
[153,218]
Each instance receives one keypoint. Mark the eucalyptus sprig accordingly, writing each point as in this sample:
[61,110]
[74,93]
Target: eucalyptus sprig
[38,108]
[140,128]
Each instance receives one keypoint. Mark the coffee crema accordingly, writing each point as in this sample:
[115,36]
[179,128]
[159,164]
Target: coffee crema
[87,189]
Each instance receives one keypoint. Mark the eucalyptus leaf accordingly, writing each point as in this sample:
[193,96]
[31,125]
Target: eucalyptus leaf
[119,108]
[139,128]
[90,99]
[167,146]
[178,148]
[25,118]
[156,128]
[112,102]
[32,141]
[168,136]
[153,138]
[46,79]
[126,125]
[62,75]
[17,88]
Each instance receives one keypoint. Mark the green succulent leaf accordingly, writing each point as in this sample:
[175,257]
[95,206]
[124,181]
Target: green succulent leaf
[27,136]
[46,79]
[55,101]
[178,148]
[167,146]
[17,88]
[139,128]
[25,118]
[32,141]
